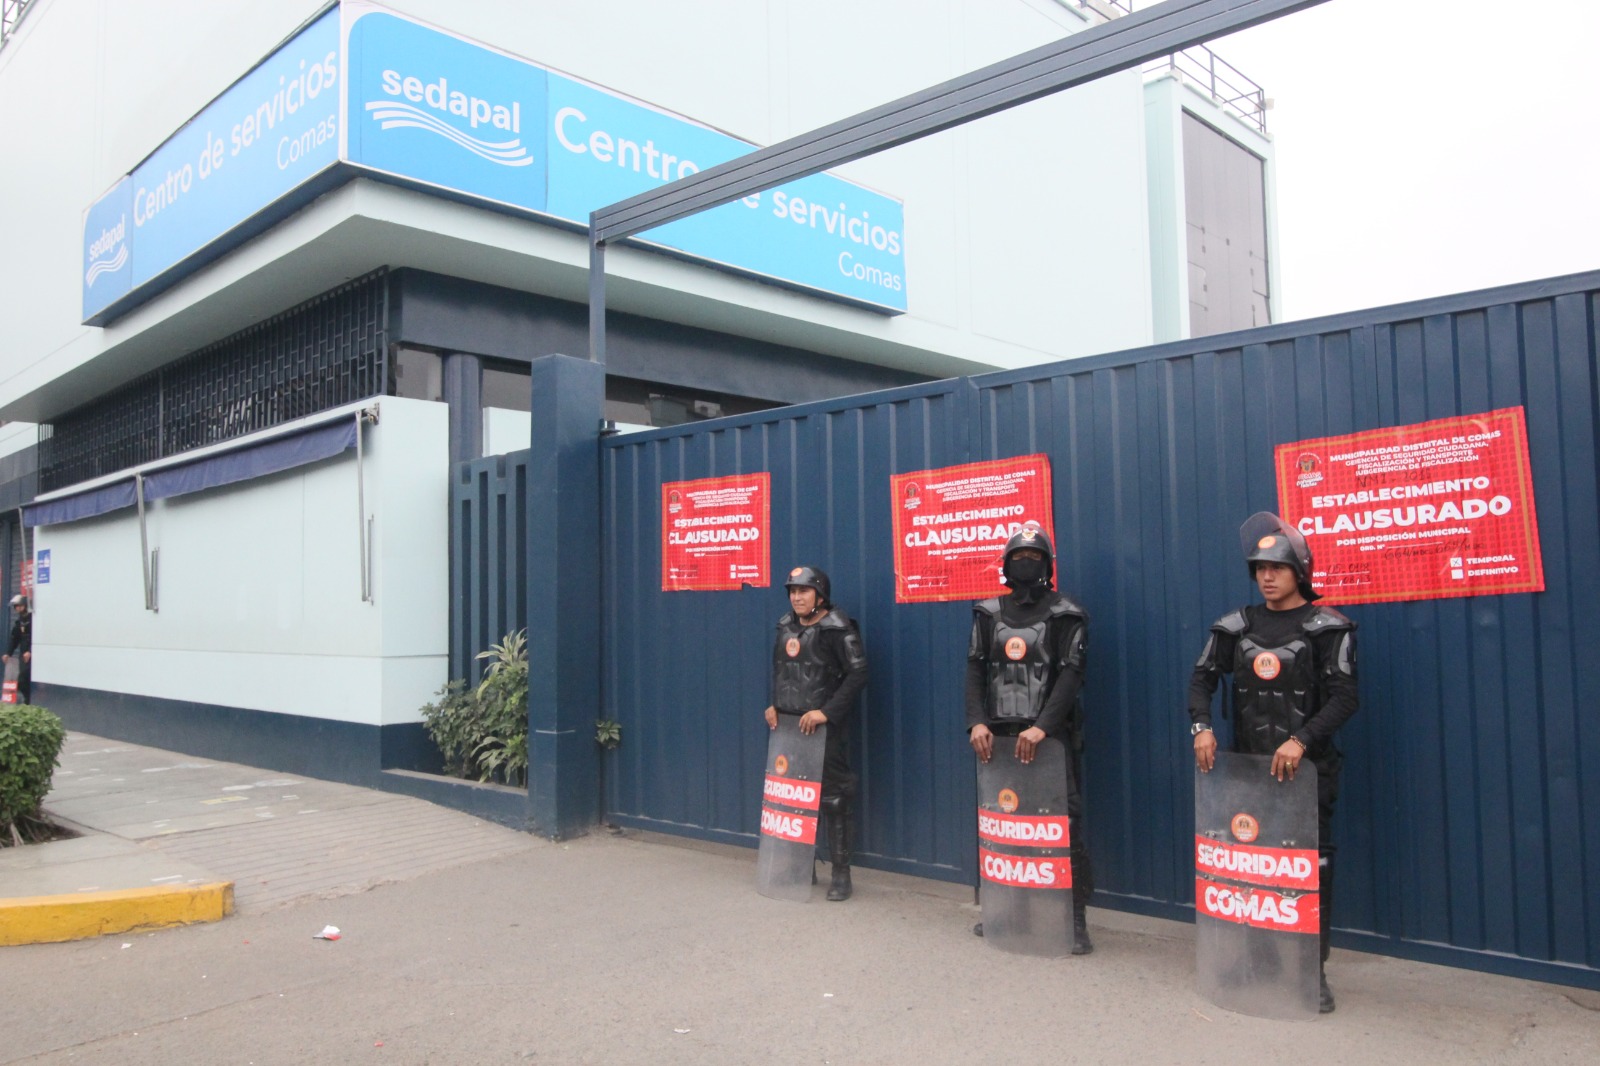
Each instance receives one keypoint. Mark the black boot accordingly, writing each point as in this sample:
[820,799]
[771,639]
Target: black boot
[1081,944]
[1325,996]
[839,853]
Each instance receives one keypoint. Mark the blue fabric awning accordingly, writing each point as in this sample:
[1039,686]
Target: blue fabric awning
[258,460]
[95,501]
[223,468]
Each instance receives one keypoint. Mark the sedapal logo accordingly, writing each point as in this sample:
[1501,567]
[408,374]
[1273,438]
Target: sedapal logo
[112,245]
[415,104]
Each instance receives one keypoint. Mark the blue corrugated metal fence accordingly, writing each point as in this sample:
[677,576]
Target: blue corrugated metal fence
[1469,828]
[488,556]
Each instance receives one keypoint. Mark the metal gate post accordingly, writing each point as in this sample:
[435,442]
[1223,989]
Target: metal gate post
[564,583]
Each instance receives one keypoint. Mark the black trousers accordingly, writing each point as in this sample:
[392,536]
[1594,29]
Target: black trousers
[1328,766]
[838,779]
[1082,868]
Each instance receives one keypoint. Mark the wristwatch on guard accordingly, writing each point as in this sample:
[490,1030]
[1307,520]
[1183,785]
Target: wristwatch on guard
[1198,728]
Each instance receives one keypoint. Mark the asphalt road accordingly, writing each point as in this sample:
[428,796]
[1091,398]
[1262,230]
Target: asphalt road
[628,950]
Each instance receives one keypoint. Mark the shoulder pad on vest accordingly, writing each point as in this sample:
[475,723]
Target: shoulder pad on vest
[1064,606]
[1325,620]
[1232,623]
[988,607]
[786,620]
[835,619]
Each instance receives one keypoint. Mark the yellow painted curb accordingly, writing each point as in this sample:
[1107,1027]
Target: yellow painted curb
[81,915]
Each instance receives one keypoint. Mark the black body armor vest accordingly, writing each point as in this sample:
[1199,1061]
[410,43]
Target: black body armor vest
[1275,689]
[804,678]
[1020,666]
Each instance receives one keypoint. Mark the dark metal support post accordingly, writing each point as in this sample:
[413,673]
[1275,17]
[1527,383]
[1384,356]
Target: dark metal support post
[462,383]
[597,298]
[563,575]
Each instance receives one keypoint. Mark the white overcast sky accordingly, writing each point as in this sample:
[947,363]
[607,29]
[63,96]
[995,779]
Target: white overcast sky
[1427,147]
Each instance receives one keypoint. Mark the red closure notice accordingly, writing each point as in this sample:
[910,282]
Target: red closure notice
[1260,907]
[1025,872]
[1294,868]
[1426,511]
[716,533]
[795,828]
[951,524]
[1029,831]
[792,792]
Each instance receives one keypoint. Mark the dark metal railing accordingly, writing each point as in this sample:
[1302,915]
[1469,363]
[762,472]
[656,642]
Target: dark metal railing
[1201,67]
[1212,74]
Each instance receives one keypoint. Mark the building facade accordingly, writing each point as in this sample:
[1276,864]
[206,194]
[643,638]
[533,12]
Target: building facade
[272,271]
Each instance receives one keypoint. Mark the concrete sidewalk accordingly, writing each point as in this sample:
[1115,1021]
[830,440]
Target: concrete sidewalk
[167,839]
[467,942]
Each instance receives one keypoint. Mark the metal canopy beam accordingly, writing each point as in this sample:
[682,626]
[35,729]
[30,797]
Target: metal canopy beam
[1118,45]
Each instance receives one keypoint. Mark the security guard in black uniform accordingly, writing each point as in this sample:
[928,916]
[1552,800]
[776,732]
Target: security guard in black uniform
[819,666]
[1294,680]
[21,643]
[1025,663]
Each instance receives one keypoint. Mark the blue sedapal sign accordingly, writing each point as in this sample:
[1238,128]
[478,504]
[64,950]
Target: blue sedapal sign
[365,90]
[273,131]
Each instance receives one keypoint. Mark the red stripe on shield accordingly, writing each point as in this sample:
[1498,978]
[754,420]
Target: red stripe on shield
[1260,907]
[795,828]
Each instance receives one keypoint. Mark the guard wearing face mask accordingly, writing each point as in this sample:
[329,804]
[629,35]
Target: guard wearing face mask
[1025,664]
[1294,680]
[819,666]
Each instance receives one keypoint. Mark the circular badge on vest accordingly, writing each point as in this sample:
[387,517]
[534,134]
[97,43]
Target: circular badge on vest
[1016,649]
[1266,542]
[792,647]
[1267,666]
[780,766]
[1008,800]
[1245,827]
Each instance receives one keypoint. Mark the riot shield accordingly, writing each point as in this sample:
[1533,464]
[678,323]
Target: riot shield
[1023,850]
[1256,888]
[791,798]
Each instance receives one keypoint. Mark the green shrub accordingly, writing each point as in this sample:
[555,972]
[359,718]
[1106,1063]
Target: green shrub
[503,709]
[30,746]
[452,725]
[483,733]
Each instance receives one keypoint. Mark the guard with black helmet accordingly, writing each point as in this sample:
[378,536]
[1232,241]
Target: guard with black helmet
[1293,664]
[819,666]
[1025,668]
[1266,538]
[21,644]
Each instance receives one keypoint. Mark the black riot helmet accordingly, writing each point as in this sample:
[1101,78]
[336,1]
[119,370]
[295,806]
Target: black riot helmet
[1033,536]
[809,577]
[1266,538]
